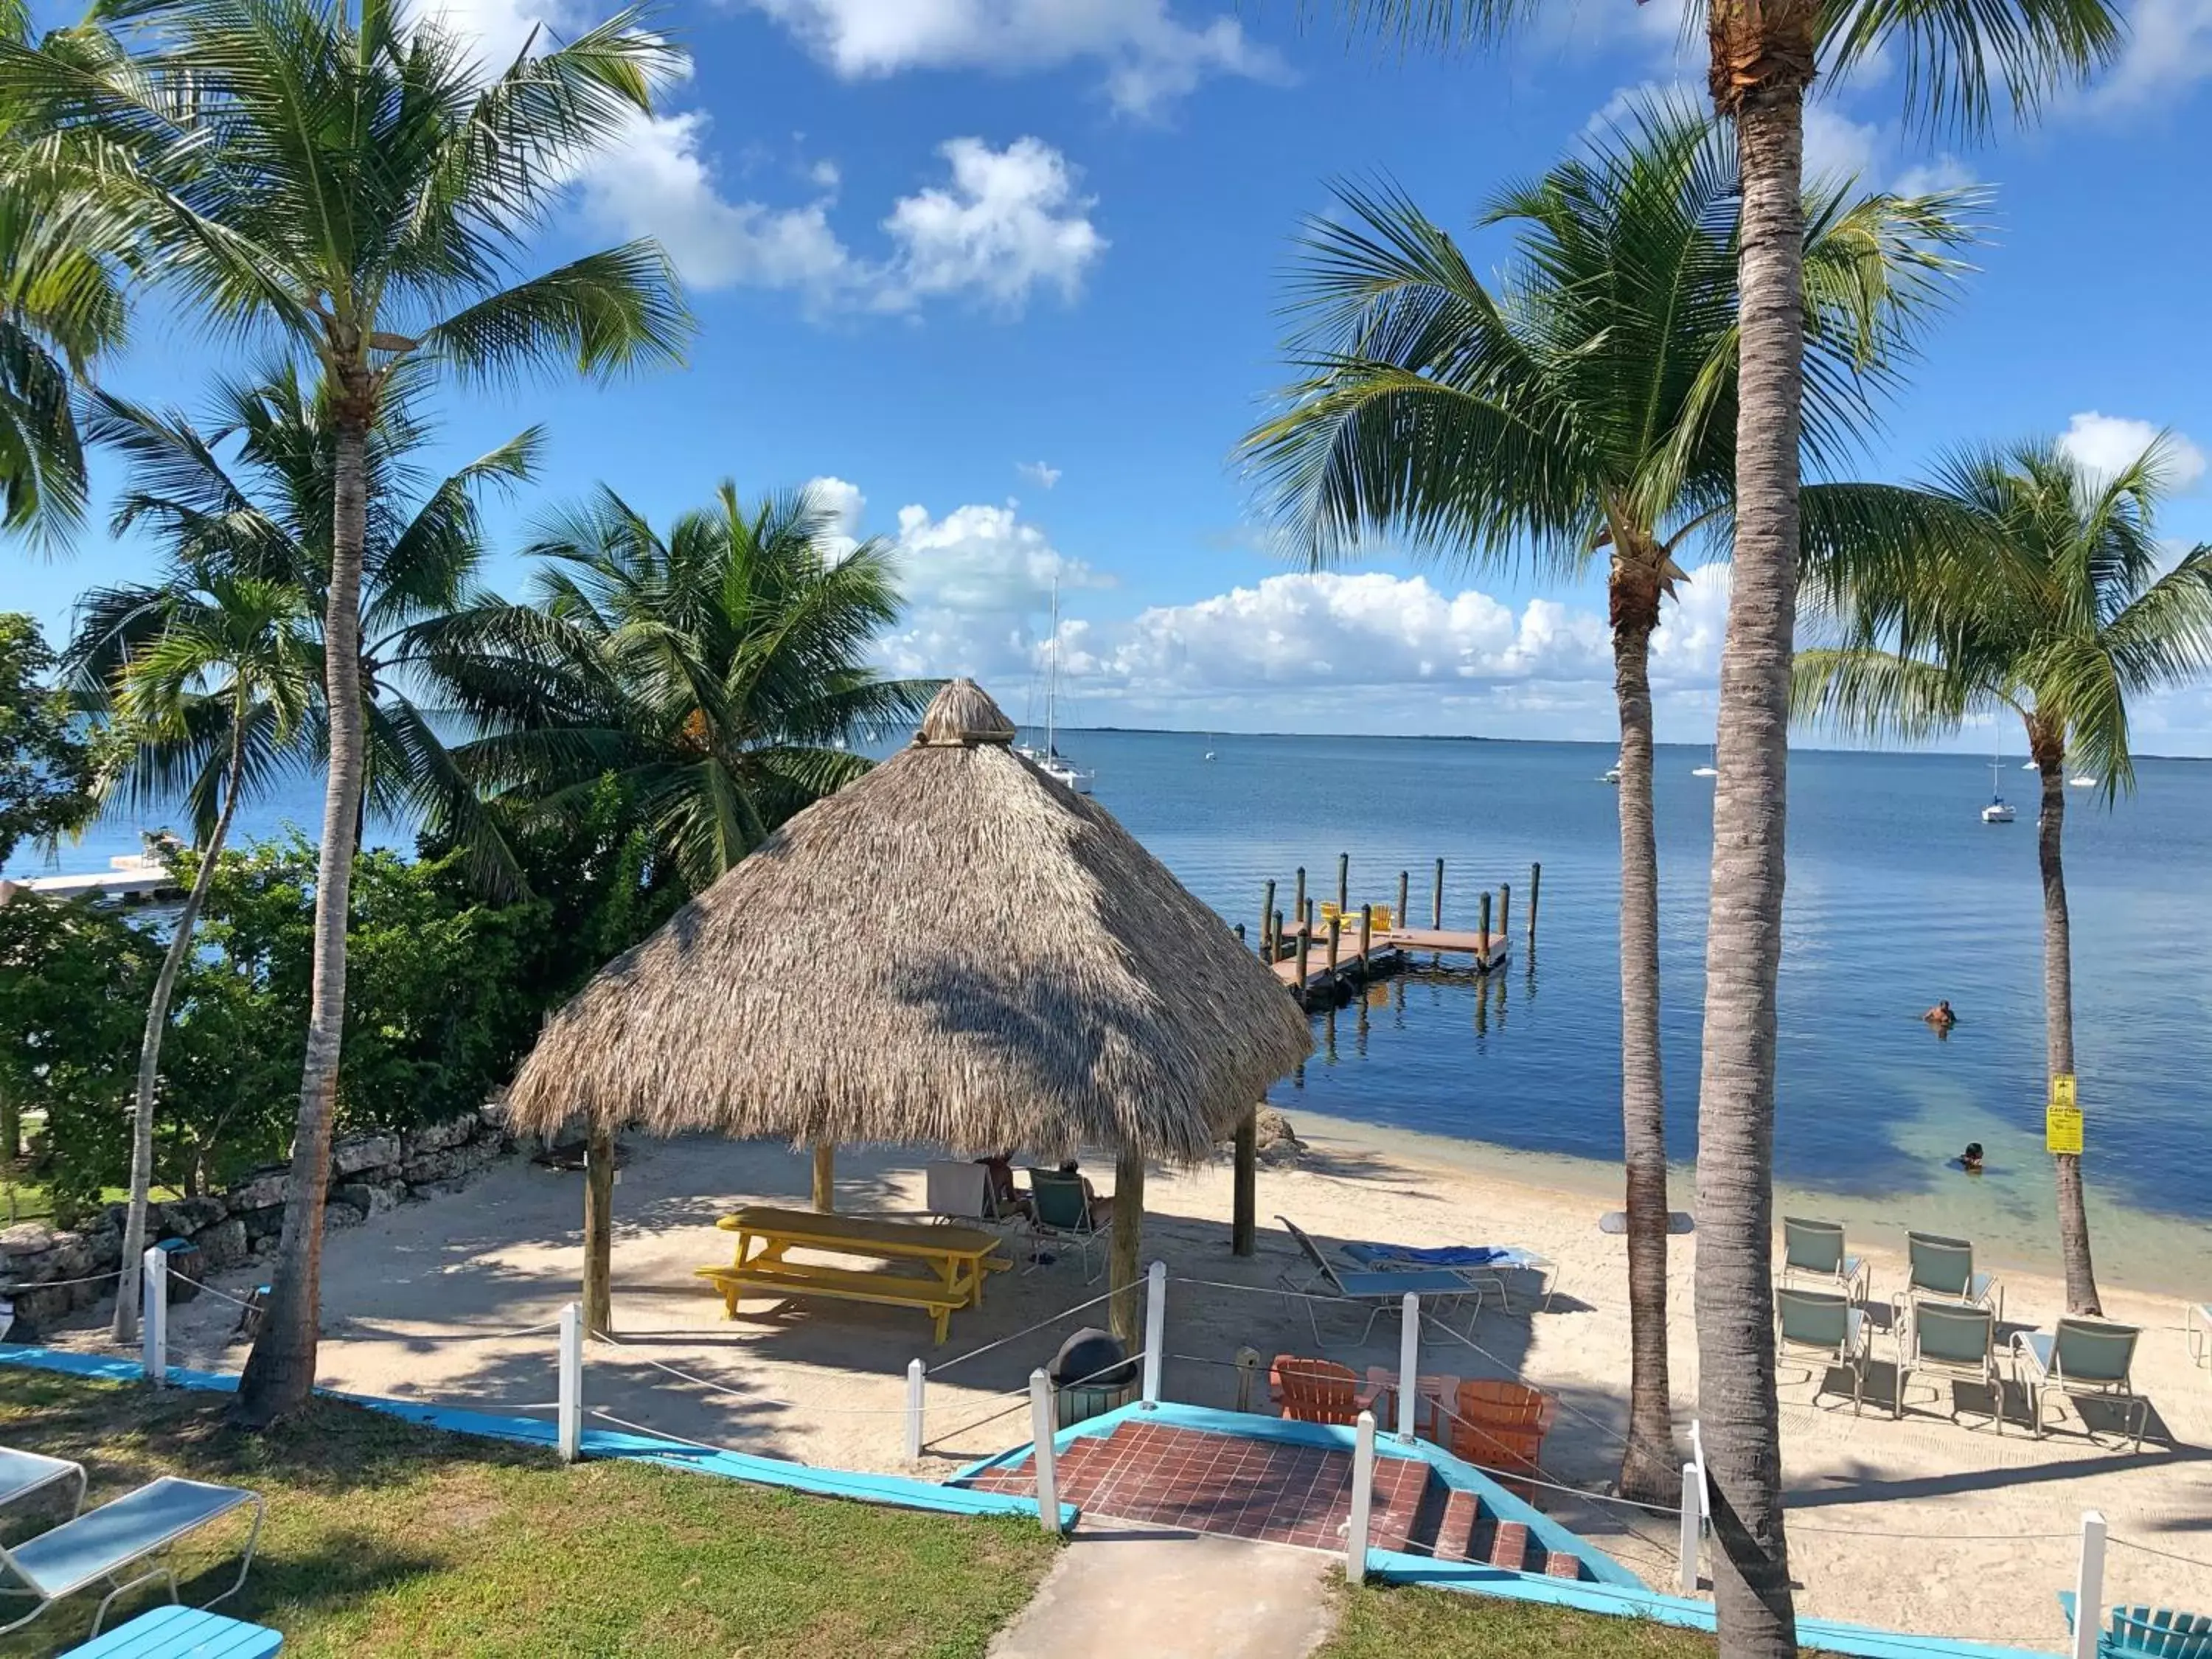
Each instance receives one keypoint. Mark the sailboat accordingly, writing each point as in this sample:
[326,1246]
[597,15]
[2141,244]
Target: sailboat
[1209,746]
[1999,811]
[1049,759]
[1710,770]
[2083,781]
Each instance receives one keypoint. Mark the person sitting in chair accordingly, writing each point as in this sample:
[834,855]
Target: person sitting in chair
[1007,1200]
[1102,1209]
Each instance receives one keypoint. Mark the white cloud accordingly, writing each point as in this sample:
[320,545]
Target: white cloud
[1836,147]
[1946,173]
[978,584]
[824,175]
[2168,50]
[1007,222]
[1149,55]
[2100,445]
[1039,473]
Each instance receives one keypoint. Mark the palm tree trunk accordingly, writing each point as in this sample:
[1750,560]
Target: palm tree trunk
[125,1326]
[280,1372]
[1734,1293]
[2058,1017]
[1647,1467]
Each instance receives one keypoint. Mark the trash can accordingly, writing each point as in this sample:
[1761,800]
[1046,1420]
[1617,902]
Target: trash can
[1091,1374]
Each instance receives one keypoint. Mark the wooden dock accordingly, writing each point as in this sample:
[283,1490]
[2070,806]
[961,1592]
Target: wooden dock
[1388,953]
[1330,960]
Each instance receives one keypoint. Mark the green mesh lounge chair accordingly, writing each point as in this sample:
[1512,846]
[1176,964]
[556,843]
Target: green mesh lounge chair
[1814,1250]
[1944,1267]
[1823,1324]
[2148,1632]
[1060,1214]
[2083,1358]
[1951,1339]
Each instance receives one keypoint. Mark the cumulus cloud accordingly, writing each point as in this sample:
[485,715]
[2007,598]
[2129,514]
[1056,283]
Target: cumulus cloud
[1149,56]
[1005,223]
[2100,445]
[1836,147]
[1038,473]
[2168,50]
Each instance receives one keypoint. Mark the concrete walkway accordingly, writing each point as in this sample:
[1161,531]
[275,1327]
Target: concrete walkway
[1118,1591]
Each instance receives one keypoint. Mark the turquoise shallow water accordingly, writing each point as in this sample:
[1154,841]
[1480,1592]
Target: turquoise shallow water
[1898,895]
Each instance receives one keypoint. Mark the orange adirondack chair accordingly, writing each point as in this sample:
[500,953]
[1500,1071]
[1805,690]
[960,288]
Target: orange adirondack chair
[1501,1427]
[1319,1390]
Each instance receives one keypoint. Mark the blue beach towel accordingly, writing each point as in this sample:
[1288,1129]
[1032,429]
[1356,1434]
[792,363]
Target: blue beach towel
[1368,1255]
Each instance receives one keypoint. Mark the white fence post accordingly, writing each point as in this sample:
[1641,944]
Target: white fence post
[1693,1500]
[569,1419]
[1409,1363]
[154,1315]
[1363,1499]
[1041,1446]
[1156,1329]
[915,1371]
[2089,1586]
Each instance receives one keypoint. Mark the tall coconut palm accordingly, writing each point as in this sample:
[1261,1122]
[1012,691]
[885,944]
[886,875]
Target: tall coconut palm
[1958,56]
[229,667]
[250,491]
[2044,591]
[718,672]
[355,185]
[1585,405]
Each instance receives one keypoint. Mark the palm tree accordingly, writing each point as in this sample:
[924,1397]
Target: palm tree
[718,673]
[356,186]
[2043,591]
[1585,406]
[251,492]
[231,669]
[1764,54]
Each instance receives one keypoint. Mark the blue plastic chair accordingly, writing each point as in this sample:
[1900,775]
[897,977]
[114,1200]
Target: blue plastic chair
[2148,1632]
[174,1632]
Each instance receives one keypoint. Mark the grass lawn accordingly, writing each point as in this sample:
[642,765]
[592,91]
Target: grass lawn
[387,1539]
[1381,1623]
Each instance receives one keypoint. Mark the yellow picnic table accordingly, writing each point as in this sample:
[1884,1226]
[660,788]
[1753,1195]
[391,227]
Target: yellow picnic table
[959,1257]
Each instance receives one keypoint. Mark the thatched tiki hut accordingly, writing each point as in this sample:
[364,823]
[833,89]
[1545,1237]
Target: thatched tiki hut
[954,950]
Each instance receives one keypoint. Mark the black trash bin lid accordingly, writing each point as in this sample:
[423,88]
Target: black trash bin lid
[1093,1358]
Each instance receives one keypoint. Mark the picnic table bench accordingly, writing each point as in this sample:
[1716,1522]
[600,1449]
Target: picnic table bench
[961,1259]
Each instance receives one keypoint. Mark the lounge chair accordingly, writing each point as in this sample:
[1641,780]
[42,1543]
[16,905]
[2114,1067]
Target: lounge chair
[1500,1427]
[22,1474]
[2085,1358]
[1381,1292]
[1059,1212]
[1950,1339]
[961,1191]
[1824,1324]
[1479,1264]
[1321,1390]
[1814,1250]
[1944,1267]
[101,1546]
[2197,1329]
[2148,1632]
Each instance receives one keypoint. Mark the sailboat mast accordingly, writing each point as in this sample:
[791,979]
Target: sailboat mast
[1052,675]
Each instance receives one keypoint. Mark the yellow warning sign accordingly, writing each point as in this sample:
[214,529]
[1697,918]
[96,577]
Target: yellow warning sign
[2062,1119]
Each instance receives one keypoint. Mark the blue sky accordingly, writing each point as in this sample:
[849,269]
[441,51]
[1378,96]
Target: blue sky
[1004,273]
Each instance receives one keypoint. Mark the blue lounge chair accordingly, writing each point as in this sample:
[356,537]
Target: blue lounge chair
[1479,1264]
[1951,1339]
[101,1546]
[1824,1325]
[1814,1250]
[1944,1267]
[1381,1292]
[2082,1358]
[174,1632]
[22,1474]
[2148,1632]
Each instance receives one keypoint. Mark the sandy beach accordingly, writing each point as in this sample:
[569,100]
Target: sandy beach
[1926,1525]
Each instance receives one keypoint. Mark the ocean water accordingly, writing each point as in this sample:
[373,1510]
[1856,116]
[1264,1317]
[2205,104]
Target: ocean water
[1898,895]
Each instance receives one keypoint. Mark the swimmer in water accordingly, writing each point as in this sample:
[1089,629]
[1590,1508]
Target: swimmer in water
[1970,1159]
[1940,1016]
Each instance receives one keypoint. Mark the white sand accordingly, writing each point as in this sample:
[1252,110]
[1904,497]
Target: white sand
[1923,1525]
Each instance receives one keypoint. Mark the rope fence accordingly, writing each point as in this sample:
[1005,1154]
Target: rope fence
[2164,1555]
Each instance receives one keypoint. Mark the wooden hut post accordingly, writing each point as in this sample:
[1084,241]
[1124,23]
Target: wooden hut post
[1126,1251]
[1244,1209]
[1343,883]
[825,1177]
[599,1229]
[1267,916]
[1437,899]
[1535,888]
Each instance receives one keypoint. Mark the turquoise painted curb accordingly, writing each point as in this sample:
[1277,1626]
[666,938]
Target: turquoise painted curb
[888,1489]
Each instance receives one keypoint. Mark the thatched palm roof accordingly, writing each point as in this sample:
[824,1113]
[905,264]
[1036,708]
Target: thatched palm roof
[955,949]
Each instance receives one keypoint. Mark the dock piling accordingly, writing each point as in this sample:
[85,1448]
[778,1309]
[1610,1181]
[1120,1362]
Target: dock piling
[1484,932]
[1305,941]
[1398,916]
[1266,915]
[1298,904]
[1437,900]
[1335,933]
[1505,909]
[1366,940]
[1535,887]
[1343,883]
